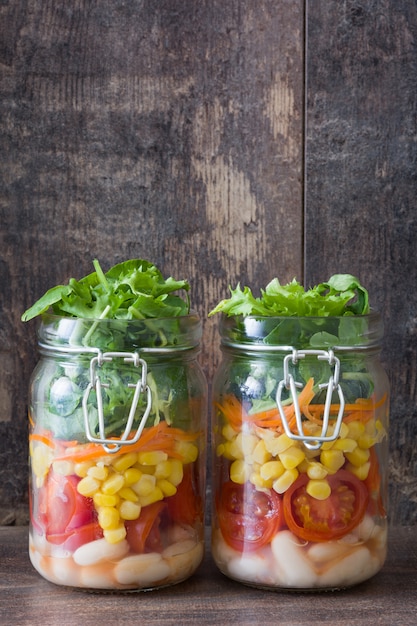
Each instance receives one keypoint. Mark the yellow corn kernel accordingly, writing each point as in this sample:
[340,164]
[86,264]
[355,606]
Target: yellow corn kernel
[152,457]
[103,499]
[312,454]
[163,469]
[126,493]
[187,450]
[108,517]
[345,444]
[144,469]
[260,454]
[123,462]
[228,432]
[304,465]
[167,488]
[221,450]
[155,496]
[356,429]
[41,459]
[366,441]
[316,471]
[285,481]
[376,429]
[358,457]
[327,445]
[230,450]
[272,470]
[318,489]
[100,472]
[277,445]
[291,457]
[132,475]
[145,485]
[129,510]
[113,484]
[88,486]
[344,431]
[115,535]
[360,471]
[332,459]
[65,468]
[177,472]
[239,471]
[81,469]
[256,479]
[248,443]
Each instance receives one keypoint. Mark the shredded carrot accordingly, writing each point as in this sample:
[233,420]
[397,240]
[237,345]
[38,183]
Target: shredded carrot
[363,409]
[160,437]
[43,438]
[236,415]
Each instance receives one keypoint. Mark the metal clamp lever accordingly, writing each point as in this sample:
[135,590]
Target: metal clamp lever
[114,444]
[311,442]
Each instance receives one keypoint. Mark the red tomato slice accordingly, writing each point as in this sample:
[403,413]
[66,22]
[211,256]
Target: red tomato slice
[248,518]
[61,510]
[143,533]
[322,520]
[77,537]
[185,507]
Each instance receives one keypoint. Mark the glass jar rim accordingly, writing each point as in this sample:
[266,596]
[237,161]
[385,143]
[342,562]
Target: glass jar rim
[273,333]
[76,334]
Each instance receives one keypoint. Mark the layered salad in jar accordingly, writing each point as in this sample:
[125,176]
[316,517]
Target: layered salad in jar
[299,465]
[116,506]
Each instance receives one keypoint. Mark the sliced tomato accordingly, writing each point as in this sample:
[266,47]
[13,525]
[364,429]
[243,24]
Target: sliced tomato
[73,539]
[185,507]
[248,518]
[322,520]
[60,509]
[143,534]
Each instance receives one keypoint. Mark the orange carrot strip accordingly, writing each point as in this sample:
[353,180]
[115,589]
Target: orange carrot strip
[42,438]
[160,437]
[234,412]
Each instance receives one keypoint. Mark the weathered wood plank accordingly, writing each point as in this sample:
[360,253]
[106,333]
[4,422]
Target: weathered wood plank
[361,188]
[170,132]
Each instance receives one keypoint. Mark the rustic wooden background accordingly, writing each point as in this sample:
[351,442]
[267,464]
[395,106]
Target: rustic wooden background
[226,141]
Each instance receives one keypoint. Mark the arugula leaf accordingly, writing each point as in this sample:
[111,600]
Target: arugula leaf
[134,289]
[341,295]
[48,299]
[240,303]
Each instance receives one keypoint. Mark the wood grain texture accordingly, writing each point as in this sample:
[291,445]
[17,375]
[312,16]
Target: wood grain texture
[208,597]
[361,188]
[169,131]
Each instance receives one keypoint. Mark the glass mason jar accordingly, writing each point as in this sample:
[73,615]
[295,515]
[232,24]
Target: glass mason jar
[117,452]
[300,451]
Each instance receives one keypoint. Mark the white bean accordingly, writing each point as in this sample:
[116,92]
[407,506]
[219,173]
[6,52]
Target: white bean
[97,576]
[183,558]
[322,553]
[179,547]
[64,572]
[100,550]
[143,570]
[293,568]
[255,568]
[353,568]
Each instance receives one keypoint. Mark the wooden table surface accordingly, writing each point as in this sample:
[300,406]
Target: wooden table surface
[208,597]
